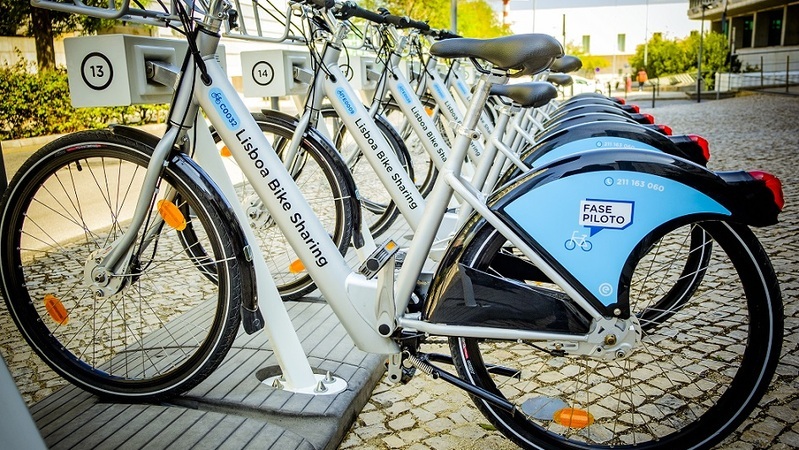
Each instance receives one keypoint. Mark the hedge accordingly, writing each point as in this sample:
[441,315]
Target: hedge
[36,104]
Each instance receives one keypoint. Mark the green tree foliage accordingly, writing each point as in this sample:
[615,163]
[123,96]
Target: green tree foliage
[18,17]
[664,57]
[669,57]
[40,105]
[590,63]
[714,55]
[476,18]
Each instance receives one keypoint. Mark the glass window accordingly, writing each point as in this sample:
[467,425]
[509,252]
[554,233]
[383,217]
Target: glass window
[621,42]
[587,43]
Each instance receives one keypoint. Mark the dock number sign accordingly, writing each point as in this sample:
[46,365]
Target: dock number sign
[263,73]
[96,71]
[600,214]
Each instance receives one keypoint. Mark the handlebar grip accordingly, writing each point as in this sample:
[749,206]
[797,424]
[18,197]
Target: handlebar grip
[371,16]
[397,21]
[446,34]
[419,25]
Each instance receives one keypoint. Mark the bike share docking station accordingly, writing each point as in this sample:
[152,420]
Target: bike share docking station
[304,398]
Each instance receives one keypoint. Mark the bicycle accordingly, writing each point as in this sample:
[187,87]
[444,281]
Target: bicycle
[592,337]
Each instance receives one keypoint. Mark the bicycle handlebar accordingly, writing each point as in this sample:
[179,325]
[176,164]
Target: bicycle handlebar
[350,9]
[419,25]
[397,21]
[446,34]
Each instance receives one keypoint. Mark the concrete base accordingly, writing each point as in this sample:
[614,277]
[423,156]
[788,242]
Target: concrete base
[232,408]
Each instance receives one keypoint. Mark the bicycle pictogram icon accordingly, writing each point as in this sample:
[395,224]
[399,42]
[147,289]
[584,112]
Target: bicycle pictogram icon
[578,240]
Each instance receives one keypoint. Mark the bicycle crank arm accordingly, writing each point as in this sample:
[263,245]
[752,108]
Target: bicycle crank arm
[422,362]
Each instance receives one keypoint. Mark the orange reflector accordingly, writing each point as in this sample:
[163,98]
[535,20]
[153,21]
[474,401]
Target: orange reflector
[172,215]
[429,111]
[56,309]
[225,152]
[390,245]
[296,266]
[573,417]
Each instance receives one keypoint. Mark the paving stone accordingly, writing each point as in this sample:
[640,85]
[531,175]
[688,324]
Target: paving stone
[403,422]
[393,441]
[439,425]
[791,439]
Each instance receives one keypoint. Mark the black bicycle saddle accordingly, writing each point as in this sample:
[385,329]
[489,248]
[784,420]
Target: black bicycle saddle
[566,64]
[526,54]
[561,79]
[531,94]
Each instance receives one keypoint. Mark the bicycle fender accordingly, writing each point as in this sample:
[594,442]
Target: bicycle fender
[606,204]
[606,135]
[251,316]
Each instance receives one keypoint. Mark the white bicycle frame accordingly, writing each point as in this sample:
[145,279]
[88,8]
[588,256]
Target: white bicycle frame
[331,83]
[363,306]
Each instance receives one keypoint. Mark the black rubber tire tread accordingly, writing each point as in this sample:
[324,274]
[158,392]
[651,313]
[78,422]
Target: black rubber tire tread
[226,319]
[732,407]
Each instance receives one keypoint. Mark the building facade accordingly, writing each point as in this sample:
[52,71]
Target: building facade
[763,34]
[608,28]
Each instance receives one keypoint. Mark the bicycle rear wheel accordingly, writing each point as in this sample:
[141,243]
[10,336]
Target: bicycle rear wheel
[700,370]
[169,325]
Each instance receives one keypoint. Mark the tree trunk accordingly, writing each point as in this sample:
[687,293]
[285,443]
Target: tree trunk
[43,36]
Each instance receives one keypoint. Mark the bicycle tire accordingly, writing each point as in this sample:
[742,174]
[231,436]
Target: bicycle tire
[688,386]
[74,196]
[380,211]
[321,177]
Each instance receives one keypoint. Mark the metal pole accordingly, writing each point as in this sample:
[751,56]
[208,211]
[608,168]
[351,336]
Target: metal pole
[654,88]
[761,72]
[564,31]
[787,72]
[453,16]
[699,62]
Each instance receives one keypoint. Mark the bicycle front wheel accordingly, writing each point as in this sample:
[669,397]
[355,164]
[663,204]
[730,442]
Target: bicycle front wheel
[699,371]
[168,324]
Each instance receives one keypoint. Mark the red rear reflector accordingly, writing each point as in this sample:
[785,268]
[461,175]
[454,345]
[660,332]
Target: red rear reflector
[635,108]
[702,143]
[774,184]
[649,117]
[620,100]
[665,129]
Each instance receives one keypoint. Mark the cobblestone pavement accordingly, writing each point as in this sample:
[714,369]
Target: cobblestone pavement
[748,132]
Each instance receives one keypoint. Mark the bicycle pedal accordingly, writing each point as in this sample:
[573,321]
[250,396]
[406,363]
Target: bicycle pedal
[378,259]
